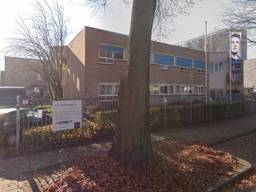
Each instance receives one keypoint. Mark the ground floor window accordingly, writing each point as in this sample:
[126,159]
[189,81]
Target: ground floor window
[175,89]
[111,89]
[199,89]
[108,89]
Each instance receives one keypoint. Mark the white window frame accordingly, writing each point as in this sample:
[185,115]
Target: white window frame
[184,86]
[159,87]
[112,58]
[114,84]
[153,86]
[200,89]
[107,59]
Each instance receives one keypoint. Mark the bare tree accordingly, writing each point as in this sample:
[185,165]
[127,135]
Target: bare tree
[242,14]
[132,142]
[41,35]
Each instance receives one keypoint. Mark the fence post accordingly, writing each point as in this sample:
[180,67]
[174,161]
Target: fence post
[191,109]
[165,118]
[18,124]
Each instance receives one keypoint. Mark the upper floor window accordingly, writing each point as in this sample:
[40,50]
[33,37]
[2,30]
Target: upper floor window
[198,64]
[107,54]
[183,62]
[216,68]
[164,60]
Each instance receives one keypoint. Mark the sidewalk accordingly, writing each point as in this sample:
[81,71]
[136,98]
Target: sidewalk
[214,133]
[12,170]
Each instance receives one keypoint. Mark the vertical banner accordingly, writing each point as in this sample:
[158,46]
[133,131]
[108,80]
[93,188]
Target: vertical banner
[235,57]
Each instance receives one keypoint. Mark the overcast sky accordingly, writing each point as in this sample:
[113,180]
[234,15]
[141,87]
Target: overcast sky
[116,18]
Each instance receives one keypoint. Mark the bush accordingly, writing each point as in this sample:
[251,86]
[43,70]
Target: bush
[100,125]
[43,138]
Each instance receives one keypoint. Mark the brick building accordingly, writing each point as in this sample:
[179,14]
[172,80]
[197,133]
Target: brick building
[97,60]
[22,72]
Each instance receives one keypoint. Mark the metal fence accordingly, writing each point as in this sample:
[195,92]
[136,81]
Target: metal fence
[99,119]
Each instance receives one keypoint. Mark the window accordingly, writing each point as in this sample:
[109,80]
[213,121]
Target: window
[211,68]
[199,89]
[107,54]
[163,89]
[198,64]
[108,89]
[183,62]
[154,89]
[78,84]
[177,89]
[218,67]
[181,90]
[74,77]
[221,66]
[36,90]
[162,59]
[170,89]
[187,89]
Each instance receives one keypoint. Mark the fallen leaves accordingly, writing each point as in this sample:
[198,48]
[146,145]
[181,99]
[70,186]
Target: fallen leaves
[246,183]
[176,167]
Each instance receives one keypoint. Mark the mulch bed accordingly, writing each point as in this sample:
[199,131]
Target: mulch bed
[176,167]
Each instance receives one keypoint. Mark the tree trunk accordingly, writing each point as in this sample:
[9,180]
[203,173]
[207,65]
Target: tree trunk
[132,141]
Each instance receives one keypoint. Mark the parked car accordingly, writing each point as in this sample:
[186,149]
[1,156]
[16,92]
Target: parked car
[28,119]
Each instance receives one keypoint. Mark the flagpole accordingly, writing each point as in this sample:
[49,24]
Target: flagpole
[206,64]
[230,71]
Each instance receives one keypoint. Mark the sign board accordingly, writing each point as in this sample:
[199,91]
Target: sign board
[67,114]
[39,113]
[235,57]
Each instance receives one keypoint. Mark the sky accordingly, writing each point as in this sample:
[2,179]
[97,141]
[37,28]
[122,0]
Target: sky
[115,18]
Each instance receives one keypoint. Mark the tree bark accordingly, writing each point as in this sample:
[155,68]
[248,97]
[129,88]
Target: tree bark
[132,141]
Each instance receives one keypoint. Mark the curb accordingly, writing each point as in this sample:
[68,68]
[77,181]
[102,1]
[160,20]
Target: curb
[243,168]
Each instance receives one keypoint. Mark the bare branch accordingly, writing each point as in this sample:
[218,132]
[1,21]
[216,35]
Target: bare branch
[242,15]
[42,35]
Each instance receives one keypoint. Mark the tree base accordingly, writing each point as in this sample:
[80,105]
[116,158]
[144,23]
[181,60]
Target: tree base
[134,157]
